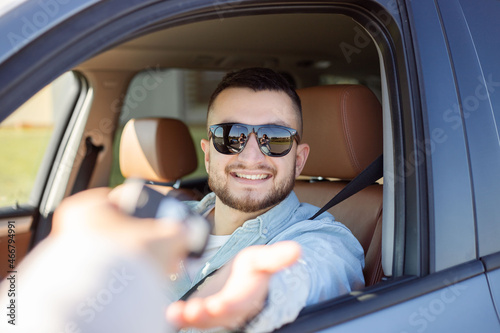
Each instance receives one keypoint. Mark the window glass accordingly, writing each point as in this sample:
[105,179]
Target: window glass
[174,93]
[25,136]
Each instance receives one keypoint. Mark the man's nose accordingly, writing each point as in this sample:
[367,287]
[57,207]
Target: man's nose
[252,151]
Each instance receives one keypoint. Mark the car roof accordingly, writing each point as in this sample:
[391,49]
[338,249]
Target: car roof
[293,42]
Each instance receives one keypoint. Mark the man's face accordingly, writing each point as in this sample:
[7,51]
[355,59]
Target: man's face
[251,181]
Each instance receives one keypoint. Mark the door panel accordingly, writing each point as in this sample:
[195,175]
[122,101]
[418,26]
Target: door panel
[475,60]
[30,138]
[494,280]
[449,309]
[450,201]
[492,264]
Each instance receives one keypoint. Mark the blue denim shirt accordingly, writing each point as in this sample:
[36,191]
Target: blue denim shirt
[331,263]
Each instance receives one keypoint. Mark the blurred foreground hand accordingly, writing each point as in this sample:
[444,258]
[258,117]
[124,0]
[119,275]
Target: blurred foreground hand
[101,270]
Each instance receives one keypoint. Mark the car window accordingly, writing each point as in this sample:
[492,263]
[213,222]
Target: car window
[173,93]
[25,137]
[440,211]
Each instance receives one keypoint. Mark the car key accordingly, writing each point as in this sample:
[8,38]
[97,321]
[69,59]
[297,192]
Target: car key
[142,201]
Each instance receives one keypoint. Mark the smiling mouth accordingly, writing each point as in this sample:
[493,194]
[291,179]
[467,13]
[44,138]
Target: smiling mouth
[252,177]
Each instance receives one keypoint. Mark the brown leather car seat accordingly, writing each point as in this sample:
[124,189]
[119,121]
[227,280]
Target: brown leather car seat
[343,126]
[158,150]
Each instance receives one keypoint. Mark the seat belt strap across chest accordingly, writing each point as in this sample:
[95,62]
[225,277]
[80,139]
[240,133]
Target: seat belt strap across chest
[195,287]
[368,176]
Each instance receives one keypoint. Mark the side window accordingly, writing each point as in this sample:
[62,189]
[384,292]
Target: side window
[26,134]
[173,93]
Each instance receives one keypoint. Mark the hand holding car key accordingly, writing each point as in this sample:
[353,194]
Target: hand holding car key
[142,201]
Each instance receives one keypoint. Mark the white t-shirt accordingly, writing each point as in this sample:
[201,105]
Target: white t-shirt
[215,242]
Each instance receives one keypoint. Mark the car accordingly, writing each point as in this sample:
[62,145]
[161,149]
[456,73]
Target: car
[73,73]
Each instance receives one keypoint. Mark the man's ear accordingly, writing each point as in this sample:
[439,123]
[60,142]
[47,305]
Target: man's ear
[300,161]
[205,146]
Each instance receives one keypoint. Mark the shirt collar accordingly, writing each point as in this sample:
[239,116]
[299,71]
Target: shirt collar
[268,223]
[278,217]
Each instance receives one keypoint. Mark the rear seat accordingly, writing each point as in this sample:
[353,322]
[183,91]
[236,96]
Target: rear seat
[158,150]
[343,126]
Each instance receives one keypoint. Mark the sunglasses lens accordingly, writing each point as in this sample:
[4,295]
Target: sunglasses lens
[230,139]
[274,141]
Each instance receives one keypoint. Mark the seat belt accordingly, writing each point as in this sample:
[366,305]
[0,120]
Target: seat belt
[368,176]
[195,287]
[87,166]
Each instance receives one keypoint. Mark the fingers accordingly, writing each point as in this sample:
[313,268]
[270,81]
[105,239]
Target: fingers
[198,313]
[70,211]
[269,258]
[91,213]
[94,210]
[244,292]
[90,209]
[247,285]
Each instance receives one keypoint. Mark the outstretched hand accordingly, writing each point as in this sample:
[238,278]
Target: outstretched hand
[236,293]
[230,298]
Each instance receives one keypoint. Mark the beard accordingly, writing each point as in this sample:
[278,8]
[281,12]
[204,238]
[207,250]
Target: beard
[246,203]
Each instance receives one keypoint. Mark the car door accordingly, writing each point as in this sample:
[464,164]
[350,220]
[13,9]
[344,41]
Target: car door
[31,139]
[451,245]
[35,129]
[478,83]
[43,136]
[435,275]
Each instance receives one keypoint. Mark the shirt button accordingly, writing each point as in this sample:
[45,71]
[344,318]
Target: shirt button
[264,231]
[173,277]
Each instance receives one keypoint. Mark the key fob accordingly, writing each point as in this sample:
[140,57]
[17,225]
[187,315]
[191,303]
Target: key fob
[142,201]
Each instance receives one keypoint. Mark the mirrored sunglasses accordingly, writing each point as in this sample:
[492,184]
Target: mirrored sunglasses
[273,140]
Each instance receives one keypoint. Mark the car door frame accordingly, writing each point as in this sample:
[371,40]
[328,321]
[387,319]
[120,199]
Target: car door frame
[113,21]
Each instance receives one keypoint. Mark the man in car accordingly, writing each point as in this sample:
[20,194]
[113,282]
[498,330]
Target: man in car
[253,203]
[104,266]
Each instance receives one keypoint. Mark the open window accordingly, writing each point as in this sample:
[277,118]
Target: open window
[172,71]
[166,63]
[30,139]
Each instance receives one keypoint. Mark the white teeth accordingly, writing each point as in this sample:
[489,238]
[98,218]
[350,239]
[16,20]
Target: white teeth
[251,177]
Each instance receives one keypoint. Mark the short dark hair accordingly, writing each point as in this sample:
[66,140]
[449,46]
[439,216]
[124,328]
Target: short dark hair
[258,79]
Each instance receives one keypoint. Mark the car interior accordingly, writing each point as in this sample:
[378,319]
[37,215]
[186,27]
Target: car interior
[159,151]
[142,104]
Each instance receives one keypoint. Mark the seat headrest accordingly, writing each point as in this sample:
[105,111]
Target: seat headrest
[157,149]
[343,126]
